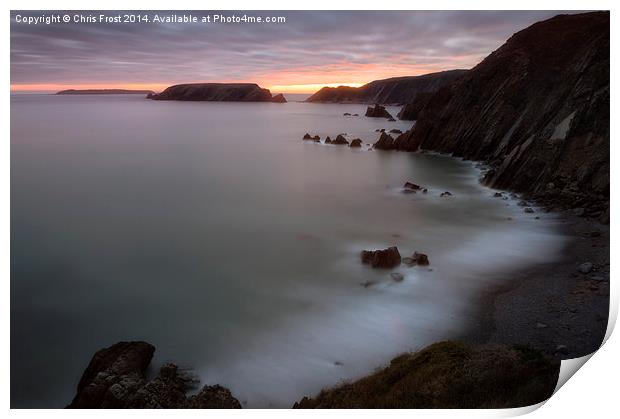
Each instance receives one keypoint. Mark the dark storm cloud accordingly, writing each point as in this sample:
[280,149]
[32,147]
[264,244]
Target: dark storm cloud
[309,43]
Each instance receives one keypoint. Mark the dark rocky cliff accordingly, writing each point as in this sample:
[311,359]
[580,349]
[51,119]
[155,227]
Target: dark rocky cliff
[397,90]
[537,110]
[218,92]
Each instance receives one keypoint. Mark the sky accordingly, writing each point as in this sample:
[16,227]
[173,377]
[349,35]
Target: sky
[310,50]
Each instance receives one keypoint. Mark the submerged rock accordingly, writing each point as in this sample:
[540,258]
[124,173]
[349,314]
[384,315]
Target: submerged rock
[397,276]
[115,378]
[445,194]
[386,258]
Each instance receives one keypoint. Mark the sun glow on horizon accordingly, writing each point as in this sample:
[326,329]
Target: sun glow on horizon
[158,87]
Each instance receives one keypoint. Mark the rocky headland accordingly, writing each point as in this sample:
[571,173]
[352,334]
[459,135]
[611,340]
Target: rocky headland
[104,92]
[392,91]
[536,111]
[218,92]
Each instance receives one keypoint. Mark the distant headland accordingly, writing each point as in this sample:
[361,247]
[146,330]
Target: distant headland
[104,92]
[218,92]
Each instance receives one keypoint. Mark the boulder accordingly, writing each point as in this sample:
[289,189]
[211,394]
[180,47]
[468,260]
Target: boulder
[386,142]
[346,114]
[396,131]
[420,259]
[445,194]
[585,268]
[378,111]
[340,140]
[386,258]
[397,276]
[328,140]
[115,378]
[528,210]
[356,143]
[307,136]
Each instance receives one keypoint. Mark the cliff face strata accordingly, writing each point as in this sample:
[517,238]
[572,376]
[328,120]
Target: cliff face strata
[218,92]
[536,109]
[115,379]
[397,90]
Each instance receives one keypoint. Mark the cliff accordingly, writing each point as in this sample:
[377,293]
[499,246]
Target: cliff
[218,92]
[397,90]
[104,92]
[537,110]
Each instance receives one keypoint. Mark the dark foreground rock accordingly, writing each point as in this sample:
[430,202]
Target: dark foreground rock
[115,379]
[377,111]
[449,375]
[218,92]
[386,258]
[385,142]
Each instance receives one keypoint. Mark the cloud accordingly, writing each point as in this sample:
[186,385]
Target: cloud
[311,47]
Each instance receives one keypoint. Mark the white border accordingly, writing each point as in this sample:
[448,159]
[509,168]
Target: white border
[592,392]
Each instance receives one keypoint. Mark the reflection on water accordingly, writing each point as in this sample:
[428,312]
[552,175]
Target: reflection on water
[212,231]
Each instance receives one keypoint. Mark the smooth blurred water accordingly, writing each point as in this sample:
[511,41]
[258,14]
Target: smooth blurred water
[214,232]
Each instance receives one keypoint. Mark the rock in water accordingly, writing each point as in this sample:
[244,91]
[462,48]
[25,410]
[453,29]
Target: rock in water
[420,258]
[279,98]
[377,111]
[386,258]
[411,185]
[328,140]
[397,276]
[115,378]
[340,140]
[356,143]
[445,194]
[386,142]
[307,136]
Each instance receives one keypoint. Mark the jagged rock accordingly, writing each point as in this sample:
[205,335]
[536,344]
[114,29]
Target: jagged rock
[386,142]
[340,140]
[356,143]
[386,258]
[328,140]
[115,378]
[316,138]
[307,136]
[377,111]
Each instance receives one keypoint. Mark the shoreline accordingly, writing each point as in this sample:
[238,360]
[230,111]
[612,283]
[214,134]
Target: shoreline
[552,307]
